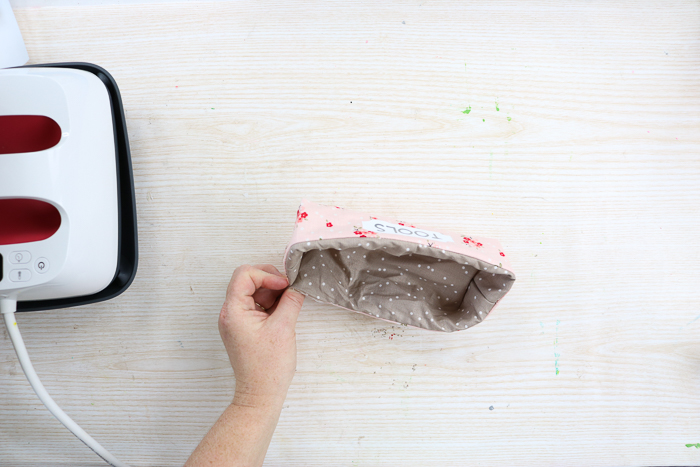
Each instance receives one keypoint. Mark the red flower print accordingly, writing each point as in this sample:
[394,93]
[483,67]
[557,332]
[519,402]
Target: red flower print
[401,223]
[501,253]
[301,216]
[328,224]
[468,240]
[363,233]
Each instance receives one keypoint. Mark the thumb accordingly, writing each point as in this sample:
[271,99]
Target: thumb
[288,307]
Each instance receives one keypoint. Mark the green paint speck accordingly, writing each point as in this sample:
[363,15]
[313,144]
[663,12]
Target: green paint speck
[696,446]
[212,108]
[508,118]
[483,119]
[497,109]
[467,110]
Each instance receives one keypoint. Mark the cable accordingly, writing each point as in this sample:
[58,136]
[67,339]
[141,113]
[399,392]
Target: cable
[8,308]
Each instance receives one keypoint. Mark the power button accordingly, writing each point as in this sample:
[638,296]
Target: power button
[41,265]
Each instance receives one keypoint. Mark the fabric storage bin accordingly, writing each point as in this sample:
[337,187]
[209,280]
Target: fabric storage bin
[395,271]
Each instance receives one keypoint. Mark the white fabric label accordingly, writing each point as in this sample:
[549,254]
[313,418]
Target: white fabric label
[378,226]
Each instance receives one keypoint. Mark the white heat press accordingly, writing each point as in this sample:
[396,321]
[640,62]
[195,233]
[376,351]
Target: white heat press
[67,210]
[66,193]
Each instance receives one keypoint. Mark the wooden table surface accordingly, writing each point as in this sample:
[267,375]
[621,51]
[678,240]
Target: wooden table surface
[580,153]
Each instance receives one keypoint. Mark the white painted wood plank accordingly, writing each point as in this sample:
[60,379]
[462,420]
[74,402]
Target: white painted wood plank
[237,110]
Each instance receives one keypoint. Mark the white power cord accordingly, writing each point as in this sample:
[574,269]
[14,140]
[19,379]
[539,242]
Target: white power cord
[7,308]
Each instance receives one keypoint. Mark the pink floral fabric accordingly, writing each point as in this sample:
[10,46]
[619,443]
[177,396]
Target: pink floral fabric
[317,221]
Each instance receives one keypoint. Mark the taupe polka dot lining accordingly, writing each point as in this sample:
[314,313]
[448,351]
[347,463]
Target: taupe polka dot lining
[399,281]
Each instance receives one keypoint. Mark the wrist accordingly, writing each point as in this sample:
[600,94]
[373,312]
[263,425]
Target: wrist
[248,397]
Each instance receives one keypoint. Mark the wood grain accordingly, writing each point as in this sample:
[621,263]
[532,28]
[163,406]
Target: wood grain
[580,153]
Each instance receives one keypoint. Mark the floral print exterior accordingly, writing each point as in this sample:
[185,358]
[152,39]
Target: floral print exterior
[316,221]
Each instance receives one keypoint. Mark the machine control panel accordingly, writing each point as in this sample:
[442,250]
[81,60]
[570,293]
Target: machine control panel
[23,267]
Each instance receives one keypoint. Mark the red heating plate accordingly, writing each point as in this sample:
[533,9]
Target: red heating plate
[27,220]
[27,133]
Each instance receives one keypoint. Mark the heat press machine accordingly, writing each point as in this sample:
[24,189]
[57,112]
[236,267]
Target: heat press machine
[68,231]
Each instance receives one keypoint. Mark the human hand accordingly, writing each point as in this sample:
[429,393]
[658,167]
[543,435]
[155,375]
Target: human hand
[256,324]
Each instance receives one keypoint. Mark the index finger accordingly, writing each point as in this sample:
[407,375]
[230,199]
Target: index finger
[247,279]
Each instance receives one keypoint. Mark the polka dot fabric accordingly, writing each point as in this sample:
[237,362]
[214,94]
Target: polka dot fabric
[394,270]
